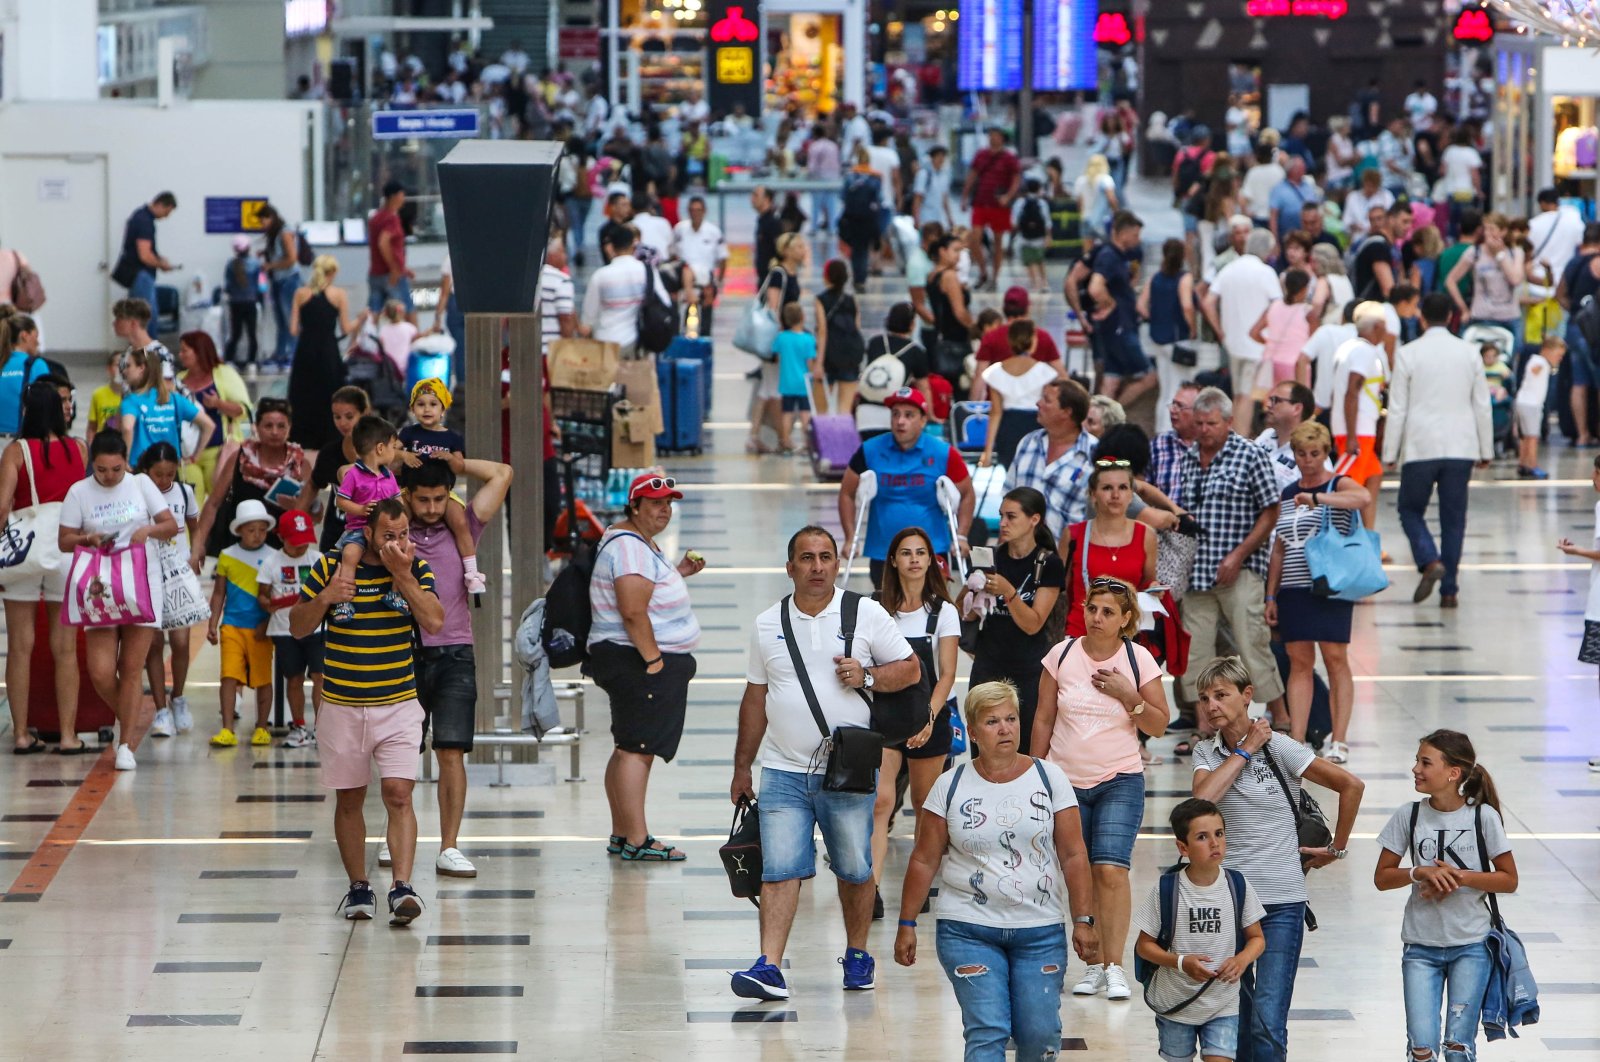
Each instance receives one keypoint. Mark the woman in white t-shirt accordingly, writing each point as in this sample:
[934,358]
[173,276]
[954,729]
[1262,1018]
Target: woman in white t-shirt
[1004,830]
[1096,193]
[1446,923]
[914,593]
[113,508]
[1014,387]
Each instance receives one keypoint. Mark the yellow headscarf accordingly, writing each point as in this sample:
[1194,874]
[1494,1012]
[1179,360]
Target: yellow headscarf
[436,386]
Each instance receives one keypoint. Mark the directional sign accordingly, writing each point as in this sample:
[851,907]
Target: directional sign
[231,214]
[405,125]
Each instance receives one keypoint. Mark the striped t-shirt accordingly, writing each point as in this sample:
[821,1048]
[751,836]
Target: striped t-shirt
[368,660]
[1263,842]
[672,618]
[556,296]
[1297,524]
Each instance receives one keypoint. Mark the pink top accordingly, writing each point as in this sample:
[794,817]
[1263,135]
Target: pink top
[363,486]
[1288,330]
[395,338]
[1094,739]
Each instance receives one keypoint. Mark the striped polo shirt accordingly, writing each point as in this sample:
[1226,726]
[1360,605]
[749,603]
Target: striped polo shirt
[368,661]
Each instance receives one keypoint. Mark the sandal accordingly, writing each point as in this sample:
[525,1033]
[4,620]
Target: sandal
[614,844]
[82,749]
[1150,759]
[28,750]
[1183,748]
[652,851]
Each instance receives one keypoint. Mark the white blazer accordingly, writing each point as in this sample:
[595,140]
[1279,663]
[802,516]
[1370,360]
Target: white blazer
[1438,402]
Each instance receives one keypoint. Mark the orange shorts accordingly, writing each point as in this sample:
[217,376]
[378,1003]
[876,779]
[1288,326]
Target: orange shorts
[1364,465]
[246,656]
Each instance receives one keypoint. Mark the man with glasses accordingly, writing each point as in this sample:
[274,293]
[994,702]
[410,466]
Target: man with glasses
[1289,405]
[1054,460]
[1167,448]
[1228,486]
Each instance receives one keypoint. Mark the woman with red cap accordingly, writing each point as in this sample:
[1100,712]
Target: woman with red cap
[640,643]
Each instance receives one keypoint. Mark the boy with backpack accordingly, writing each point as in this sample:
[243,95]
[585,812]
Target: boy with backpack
[1199,930]
[1030,228]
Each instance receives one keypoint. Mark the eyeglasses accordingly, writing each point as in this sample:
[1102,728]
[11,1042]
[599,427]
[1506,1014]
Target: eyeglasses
[1276,400]
[1110,585]
[1178,407]
[1112,462]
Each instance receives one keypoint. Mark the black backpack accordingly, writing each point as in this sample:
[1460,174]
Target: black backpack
[846,348]
[1033,224]
[568,615]
[862,194]
[658,318]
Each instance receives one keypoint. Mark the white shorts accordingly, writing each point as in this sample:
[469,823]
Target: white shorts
[1530,420]
[48,586]
[767,386]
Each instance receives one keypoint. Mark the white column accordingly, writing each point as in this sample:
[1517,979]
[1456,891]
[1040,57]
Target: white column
[53,47]
[855,52]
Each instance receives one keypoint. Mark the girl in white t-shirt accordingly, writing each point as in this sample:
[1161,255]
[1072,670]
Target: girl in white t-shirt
[1014,387]
[1532,394]
[396,333]
[160,463]
[914,593]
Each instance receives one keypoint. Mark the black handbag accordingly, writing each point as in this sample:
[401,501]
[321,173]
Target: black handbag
[853,753]
[898,715]
[1310,824]
[949,358]
[741,856]
[1185,355]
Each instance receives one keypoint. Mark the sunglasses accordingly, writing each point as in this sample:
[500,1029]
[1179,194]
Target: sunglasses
[1114,586]
[1110,462]
[657,483]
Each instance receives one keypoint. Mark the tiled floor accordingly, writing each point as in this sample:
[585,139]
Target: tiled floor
[196,915]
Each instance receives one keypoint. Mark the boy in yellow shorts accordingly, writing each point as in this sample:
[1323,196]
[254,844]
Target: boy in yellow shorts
[239,623]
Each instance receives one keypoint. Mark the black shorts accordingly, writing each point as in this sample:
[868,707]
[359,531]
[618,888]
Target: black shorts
[937,746]
[447,688]
[298,656]
[647,711]
[1589,648]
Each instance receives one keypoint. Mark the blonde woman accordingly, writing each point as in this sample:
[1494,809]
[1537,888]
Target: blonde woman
[1096,192]
[320,312]
[1333,289]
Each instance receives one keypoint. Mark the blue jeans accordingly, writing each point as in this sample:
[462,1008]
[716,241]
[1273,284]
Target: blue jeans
[144,287]
[1418,479]
[283,289]
[1008,984]
[824,211]
[380,291]
[792,806]
[455,323]
[577,222]
[1585,373]
[1427,973]
[1110,813]
[1217,1038]
[1267,987]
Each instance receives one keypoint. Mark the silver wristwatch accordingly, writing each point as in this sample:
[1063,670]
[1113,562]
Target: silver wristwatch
[1338,853]
[867,680]
[1083,920]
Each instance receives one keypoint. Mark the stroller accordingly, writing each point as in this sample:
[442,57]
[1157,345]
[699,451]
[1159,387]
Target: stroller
[1478,335]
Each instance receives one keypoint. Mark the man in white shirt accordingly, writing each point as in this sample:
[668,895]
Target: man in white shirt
[1359,203]
[557,296]
[704,254]
[1289,405]
[1556,232]
[856,133]
[655,233]
[885,162]
[515,59]
[930,190]
[1360,368]
[1321,347]
[1255,191]
[696,109]
[1421,103]
[616,291]
[1439,425]
[777,719]
[1242,292]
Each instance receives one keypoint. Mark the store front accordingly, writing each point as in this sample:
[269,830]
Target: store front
[1545,123]
[807,45]
[657,52]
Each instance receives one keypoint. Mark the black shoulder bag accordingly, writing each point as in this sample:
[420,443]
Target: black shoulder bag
[898,715]
[1311,825]
[853,752]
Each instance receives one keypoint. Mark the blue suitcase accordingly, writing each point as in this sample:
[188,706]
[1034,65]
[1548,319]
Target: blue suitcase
[682,404]
[687,349]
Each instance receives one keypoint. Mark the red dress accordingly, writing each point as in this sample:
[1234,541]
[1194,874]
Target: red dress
[1119,562]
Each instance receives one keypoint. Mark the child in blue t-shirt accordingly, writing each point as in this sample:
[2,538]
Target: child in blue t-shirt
[152,411]
[23,365]
[797,355]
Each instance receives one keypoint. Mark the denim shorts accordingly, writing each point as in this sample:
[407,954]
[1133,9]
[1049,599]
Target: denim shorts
[795,403]
[1124,356]
[447,686]
[792,806]
[355,537]
[1217,1038]
[1111,813]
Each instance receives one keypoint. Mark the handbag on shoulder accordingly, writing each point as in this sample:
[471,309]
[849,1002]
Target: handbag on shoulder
[853,753]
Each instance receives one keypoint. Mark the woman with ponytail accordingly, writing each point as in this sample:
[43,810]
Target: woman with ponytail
[1450,840]
[321,311]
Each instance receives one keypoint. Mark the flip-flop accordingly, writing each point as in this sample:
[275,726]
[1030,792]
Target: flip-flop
[28,750]
[82,750]
[1183,748]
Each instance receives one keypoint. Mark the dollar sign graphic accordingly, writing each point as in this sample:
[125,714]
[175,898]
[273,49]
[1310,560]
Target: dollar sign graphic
[970,813]
[1039,855]
[978,895]
[1047,888]
[1041,807]
[1013,857]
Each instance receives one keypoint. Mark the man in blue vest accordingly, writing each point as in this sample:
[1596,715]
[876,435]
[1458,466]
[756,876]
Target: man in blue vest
[907,463]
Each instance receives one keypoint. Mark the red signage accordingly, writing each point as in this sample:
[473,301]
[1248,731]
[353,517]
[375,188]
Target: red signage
[579,42]
[734,27]
[1473,25]
[1330,9]
[1112,28]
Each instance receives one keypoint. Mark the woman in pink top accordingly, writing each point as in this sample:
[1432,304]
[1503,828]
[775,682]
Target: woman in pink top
[1284,328]
[1095,695]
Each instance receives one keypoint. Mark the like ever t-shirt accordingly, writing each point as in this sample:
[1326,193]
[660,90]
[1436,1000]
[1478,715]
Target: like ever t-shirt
[1000,867]
[1450,837]
[1207,927]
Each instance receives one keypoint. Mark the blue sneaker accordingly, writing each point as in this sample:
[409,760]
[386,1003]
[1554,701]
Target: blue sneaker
[761,981]
[859,968]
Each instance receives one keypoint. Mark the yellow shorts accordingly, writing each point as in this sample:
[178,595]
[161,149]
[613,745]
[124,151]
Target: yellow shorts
[246,657]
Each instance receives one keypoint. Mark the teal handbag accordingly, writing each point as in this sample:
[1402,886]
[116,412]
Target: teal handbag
[1345,567]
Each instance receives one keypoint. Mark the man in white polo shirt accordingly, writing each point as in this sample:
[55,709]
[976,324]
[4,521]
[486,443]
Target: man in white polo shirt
[776,719]
[704,252]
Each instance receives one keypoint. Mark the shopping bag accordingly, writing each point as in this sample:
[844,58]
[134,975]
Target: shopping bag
[28,539]
[183,602]
[110,588]
[582,364]
[758,329]
[1345,567]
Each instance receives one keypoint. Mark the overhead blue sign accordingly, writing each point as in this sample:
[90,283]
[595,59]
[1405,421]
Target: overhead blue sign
[231,214]
[404,125]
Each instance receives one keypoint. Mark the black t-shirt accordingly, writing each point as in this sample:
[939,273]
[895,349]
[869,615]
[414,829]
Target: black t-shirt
[1580,280]
[1001,643]
[768,229]
[324,474]
[908,350]
[1112,265]
[787,282]
[1374,249]
[422,442]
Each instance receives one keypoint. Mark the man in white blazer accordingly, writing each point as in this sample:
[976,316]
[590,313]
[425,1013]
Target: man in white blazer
[1439,426]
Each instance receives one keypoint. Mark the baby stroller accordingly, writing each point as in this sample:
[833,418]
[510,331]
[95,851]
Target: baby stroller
[1505,441]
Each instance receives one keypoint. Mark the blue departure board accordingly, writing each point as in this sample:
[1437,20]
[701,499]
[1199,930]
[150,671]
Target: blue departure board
[990,40]
[1063,45]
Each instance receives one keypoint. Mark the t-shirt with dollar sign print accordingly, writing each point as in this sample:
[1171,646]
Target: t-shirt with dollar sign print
[1000,867]
[1206,927]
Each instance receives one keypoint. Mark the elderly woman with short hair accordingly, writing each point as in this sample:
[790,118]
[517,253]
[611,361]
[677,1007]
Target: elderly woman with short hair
[1001,934]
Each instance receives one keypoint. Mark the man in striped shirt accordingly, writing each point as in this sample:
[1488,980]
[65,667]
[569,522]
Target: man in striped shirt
[370,695]
[558,316]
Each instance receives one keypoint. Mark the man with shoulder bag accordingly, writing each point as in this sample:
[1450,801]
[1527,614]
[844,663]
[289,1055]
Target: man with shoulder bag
[804,711]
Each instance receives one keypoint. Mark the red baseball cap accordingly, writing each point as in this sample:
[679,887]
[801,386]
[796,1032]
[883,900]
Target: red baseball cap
[1015,302]
[907,396]
[652,485]
[295,528]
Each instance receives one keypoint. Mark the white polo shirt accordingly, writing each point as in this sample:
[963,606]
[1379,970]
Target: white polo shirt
[792,738]
[700,249]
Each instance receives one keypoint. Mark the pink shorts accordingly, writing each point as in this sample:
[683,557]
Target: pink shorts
[350,738]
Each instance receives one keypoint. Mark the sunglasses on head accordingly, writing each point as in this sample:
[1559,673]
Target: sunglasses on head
[1114,586]
[1113,462]
[657,483]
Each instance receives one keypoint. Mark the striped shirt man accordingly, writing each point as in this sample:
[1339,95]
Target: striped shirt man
[368,660]
[557,296]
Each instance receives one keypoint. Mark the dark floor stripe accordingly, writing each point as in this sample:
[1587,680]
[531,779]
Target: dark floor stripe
[1539,938]
[478,940]
[1453,673]
[704,763]
[21,897]
[703,872]
[219,919]
[1572,1043]
[1494,700]
[704,831]
[49,783]
[703,796]
[280,798]
[1556,759]
[285,763]
[485,894]
[460,1047]
[42,816]
[220,875]
[753,1016]
[4,944]
[1436,648]
[19,856]
[711,731]
[1579,792]
[207,967]
[1569,988]
[136,1021]
[503,814]
[1307,963]
[468,991]
[500,853]
[1074,1043]
[245,835]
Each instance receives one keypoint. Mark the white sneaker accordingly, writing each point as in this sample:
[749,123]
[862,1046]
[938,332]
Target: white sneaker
[1094,981]
[180,709]
[383,856]
[125,760]
[299,737]
[452,863]
[1116,983]
[162,725]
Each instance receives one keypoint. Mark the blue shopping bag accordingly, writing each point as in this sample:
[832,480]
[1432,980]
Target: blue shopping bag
[1345,567]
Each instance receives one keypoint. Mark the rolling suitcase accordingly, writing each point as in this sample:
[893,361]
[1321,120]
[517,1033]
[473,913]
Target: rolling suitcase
[93,713]
[989,489]
[682,404]
[834,441]
[699,350]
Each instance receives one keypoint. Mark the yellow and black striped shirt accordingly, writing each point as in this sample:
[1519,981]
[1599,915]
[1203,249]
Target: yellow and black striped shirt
[368,660]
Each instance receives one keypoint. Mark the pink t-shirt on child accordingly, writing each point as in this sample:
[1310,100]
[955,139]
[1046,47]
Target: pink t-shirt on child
[1094,737]
[364,486]
[1288,331]
[395,338]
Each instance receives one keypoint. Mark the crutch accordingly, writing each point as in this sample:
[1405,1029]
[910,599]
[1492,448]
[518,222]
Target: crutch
[950,501]
[866,490]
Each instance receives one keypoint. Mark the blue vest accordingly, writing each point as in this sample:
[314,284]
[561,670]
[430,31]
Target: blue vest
[906,495]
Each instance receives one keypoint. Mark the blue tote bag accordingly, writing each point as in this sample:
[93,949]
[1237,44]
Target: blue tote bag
[1345,567]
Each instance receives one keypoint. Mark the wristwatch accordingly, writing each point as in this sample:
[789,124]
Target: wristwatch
[1083,920]
[1137,709]
[867,680]
[1337,853]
